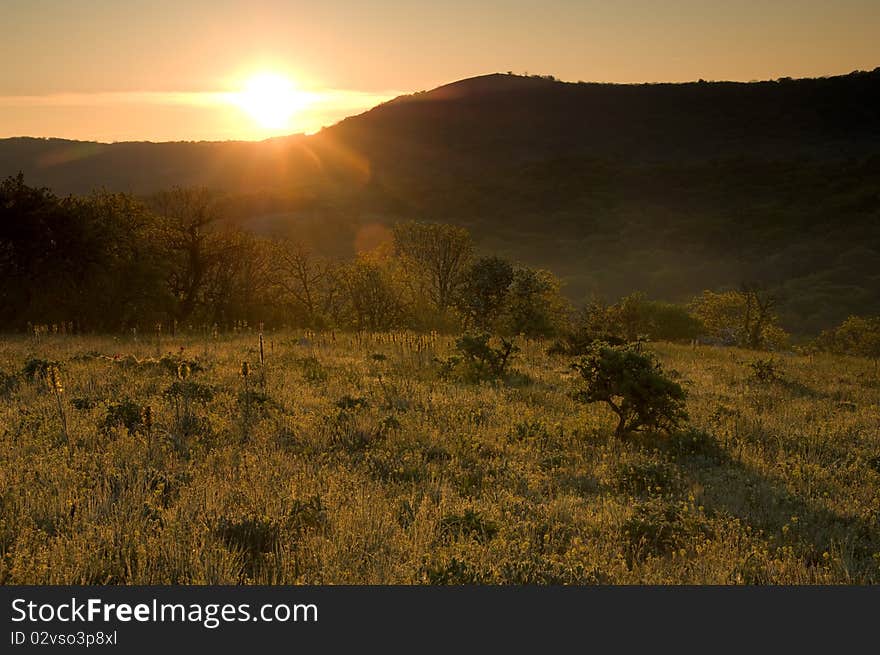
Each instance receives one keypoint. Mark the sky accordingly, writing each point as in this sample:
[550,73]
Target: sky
[162,70]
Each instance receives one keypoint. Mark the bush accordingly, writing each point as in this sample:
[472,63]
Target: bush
[634,386]
[764,371]
[35,369]
[632,319]
[575,344]
[657,528]
[127,414]
[478,360]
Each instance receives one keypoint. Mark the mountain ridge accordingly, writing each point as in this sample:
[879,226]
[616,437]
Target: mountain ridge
[668,188]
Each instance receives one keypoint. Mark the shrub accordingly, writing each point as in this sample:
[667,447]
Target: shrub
[35,369]
[764,371]
[350,402]
[580,342]
[251,534]
[478,360]
[632,319]
[634,386]
[127,414]
[658,528]
[189,391]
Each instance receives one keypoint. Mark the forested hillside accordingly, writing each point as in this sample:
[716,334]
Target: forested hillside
[665,188]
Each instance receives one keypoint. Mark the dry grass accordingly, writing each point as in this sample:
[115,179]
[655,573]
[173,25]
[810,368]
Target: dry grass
[347,460]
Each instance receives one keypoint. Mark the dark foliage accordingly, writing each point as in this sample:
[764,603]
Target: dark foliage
[634,386]
[478,359]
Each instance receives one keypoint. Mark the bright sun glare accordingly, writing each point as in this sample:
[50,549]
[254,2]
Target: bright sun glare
[271,100]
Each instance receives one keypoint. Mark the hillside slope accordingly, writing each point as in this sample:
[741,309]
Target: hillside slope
[668,188]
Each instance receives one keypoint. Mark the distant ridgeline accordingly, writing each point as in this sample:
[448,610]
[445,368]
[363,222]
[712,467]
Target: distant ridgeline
[664,188]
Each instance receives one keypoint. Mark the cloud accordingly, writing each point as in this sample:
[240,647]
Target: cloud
[337,99]
[155,115]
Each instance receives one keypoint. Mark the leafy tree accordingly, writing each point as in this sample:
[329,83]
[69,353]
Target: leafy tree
[857,335]
[633,385]
[483,291]
[121,279]
[187,229]
[534,305]
[744,317]
[665,321]
[85,260]
[627,321]
[373,299]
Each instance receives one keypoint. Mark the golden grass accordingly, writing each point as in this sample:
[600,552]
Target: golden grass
[335,466]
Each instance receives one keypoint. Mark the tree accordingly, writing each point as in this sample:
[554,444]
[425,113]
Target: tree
[669,322]
[121,280]
[744,317]
[437,255]
[758,315]
[633,385]
[373,301]
[187,230]
[627,321]
[477,359]
[84,260]
[307,279]
[483,291]
[240,288]
[857,335]
[534,305]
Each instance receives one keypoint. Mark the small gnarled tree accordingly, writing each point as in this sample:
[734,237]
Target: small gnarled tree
[635,387]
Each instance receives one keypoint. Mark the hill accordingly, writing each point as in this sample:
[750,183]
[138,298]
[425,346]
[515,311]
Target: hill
[667,188]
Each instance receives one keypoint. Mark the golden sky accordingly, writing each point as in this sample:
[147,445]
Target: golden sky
[220,69]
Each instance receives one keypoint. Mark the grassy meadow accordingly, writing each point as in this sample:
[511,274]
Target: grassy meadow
[347,459]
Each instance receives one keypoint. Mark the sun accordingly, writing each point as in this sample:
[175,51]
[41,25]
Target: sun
[271,100]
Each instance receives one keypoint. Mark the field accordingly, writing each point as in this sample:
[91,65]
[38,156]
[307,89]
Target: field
[346,459]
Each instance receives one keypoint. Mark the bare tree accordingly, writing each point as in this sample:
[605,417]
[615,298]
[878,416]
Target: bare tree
[438,255]
[310,280]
